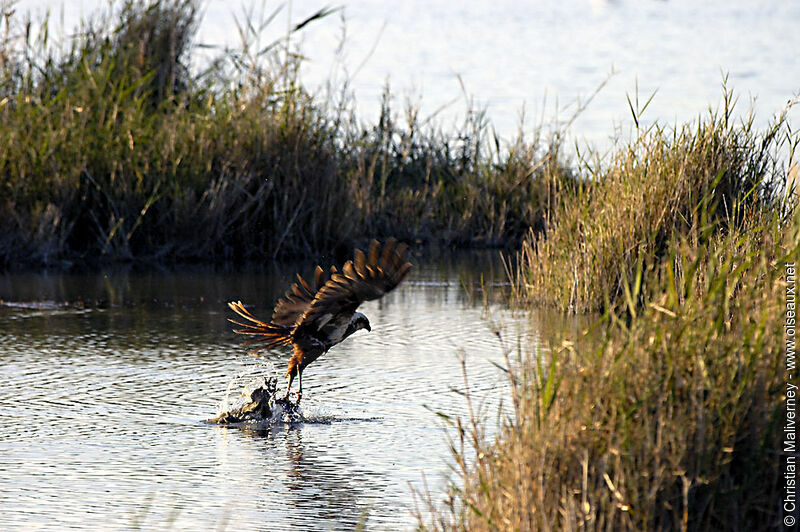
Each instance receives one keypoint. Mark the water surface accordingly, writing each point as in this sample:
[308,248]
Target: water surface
[544,55]
[108,380]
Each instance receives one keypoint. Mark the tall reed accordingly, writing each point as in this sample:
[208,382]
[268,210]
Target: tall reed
[116,145]
[666,414]
[718,172]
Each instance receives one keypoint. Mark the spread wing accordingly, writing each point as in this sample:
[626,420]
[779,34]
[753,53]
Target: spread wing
[299,296]
[362,279]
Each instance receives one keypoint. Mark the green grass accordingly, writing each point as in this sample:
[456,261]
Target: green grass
[113,149]
[667,413]
[718,173]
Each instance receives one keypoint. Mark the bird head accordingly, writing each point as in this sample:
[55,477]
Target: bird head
[362,322]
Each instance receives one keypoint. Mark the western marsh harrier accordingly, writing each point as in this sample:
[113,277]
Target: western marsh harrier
[311,321]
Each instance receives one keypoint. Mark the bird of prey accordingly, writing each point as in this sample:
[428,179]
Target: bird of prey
[312,320]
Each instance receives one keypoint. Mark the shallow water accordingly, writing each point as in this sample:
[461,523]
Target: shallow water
[108,380]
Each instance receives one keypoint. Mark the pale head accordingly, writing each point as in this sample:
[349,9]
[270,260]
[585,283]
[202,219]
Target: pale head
[360,321]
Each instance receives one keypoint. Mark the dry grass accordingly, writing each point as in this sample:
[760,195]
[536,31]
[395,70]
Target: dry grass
[665,418]
[717,173]
[113,150]
[666,414]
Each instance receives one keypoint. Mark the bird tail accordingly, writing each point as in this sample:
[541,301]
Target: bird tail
[266,335]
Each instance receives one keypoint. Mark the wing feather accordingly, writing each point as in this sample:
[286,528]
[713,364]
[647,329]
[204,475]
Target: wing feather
[266,335]
[349,270]
[364,279]
[388,248]
[304,285]
[374,251]
[319,280]
[293,303]
[296,300]
[360,263]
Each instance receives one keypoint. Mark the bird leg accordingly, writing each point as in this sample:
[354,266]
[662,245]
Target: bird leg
[299,385]
[289,387]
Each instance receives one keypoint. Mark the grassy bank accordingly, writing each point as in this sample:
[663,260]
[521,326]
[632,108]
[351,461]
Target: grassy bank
[669,413]
[696,181]
[113,148]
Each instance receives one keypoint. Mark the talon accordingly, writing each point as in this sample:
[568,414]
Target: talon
[313,318]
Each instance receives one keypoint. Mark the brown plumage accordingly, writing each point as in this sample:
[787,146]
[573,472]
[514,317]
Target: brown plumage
[312,320]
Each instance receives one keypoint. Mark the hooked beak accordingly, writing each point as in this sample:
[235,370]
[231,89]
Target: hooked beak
[368,328]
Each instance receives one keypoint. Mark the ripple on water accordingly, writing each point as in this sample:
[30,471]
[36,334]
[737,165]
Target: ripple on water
[105,410]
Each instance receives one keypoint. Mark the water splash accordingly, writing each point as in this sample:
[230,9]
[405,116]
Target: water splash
[258,403]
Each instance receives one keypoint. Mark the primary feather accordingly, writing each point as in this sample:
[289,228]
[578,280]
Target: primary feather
[313,319]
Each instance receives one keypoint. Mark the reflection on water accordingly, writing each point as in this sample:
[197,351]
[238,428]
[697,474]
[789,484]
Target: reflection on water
[108,380]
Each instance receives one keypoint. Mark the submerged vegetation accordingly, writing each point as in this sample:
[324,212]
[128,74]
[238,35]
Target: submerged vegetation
[669,412]
[114,149]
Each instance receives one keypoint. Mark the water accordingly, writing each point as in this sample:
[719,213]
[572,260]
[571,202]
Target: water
[544,55]
[108,380]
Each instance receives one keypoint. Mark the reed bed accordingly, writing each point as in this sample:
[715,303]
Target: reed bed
[117,146]
[718,173]
[666,414]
